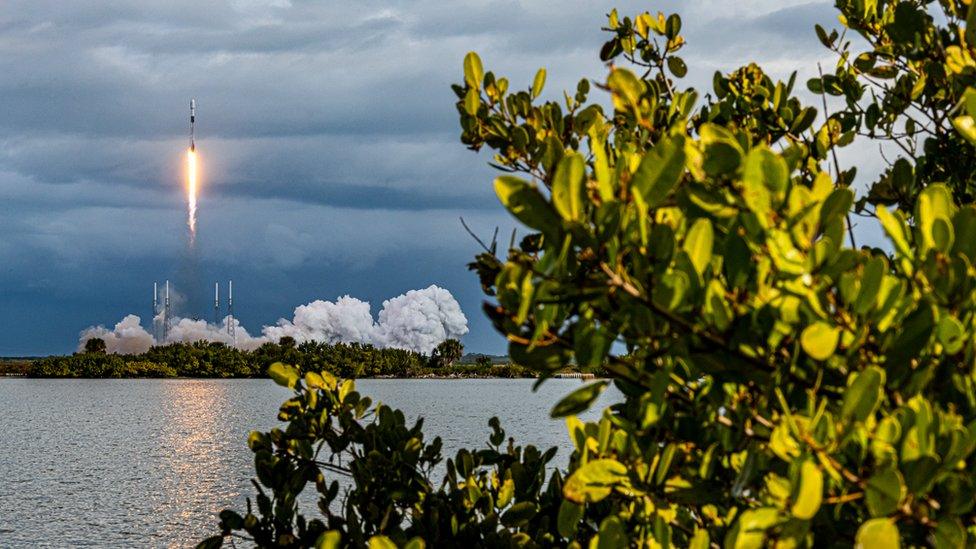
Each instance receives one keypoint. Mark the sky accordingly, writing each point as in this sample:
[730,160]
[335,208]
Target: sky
[328,139]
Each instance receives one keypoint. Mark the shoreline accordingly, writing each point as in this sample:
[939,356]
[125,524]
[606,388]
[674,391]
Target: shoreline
[587,377]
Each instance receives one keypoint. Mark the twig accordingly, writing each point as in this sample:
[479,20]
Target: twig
[474,236]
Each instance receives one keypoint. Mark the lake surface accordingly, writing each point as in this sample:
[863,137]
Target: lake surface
[149,463]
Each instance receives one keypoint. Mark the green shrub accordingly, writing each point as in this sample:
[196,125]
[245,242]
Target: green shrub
[782,387]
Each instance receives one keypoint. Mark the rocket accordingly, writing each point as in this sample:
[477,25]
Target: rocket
[193,119]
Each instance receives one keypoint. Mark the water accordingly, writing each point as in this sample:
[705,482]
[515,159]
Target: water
[149,463]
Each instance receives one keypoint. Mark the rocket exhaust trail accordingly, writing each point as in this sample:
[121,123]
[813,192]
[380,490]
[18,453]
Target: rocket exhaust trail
[191,178]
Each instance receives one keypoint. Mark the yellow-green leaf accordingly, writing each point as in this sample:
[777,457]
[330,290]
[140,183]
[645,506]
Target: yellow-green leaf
[283,374]
[595,480]
[568,188]
[885,490]
[660,170]
[473,73]
[538,83]
[569,517]
[894,227]
[505,493]
[524,201]
[698,244]
[381,542]
[819,340]
[579,400]
[809,491]
[472,101]
[879,533]
[863,393]
[329,540]
[626,87]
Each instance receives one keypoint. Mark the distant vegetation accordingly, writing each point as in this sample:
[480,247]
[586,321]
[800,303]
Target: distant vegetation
[216,360]
[14,366]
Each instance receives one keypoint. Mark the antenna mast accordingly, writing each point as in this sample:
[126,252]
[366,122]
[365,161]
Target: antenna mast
[155,311]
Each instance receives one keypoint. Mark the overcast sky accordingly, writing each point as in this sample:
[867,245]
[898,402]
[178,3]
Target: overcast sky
[327,133]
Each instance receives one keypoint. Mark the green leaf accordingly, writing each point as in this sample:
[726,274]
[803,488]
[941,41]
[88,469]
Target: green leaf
[660,170]
[670,292]
[863,393]
[934,205]
[911,338]
[894,227]
[570,515]
[867,298]
[764,175]
[879,533]
[595,480]
[698,244]
[284,375]
[473,73]
[567,187]
[329,540]
[836,205]
[966,127]
[809,491]
[749,531]
[626,87]
[519,514]
[579,400]
[949,534]
[819,340]
[951,334]
[612,534]
[964,227]
[381,542]
[538,83]
[527,204]
[767,168]
[472,101]
[723,154]
[970,32]
[591,344]
[677,66]
[885,490]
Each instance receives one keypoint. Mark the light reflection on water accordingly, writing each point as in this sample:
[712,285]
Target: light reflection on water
[149,463]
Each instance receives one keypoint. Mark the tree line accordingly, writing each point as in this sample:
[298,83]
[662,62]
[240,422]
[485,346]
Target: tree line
[205,359]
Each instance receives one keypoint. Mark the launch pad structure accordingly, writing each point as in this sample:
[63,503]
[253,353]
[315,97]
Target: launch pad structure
[162,317]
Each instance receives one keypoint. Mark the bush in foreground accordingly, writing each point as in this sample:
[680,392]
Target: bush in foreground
[782,387]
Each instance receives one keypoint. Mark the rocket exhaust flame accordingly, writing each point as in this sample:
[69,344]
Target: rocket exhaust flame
[191,193]
[191,178]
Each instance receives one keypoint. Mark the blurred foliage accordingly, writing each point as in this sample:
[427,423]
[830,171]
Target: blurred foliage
[781,387]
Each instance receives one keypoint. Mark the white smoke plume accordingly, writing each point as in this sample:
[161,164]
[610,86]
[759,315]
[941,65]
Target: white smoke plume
[418,321]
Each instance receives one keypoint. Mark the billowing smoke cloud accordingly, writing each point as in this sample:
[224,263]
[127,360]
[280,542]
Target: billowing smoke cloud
[128,337]
[347,320]
[418,321]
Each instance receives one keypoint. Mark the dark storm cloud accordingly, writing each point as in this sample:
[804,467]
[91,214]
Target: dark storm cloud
[328,135]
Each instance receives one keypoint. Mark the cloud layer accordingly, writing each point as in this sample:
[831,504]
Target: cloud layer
[327,134]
